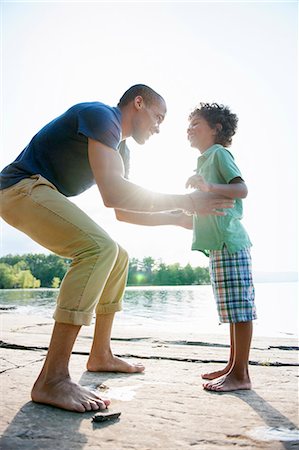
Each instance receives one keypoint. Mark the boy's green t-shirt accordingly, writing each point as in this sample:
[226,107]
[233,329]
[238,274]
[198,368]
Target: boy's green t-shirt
[217,165]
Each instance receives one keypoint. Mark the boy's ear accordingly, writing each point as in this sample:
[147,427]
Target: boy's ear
[218,127]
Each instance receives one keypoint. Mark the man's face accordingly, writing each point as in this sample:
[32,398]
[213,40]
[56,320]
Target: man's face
[200,133]
[147,119]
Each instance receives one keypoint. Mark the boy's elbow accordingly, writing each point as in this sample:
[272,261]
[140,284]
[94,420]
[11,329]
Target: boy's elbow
[244,191]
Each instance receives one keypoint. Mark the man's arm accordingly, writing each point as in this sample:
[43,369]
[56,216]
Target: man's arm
[160,218]
[119,193]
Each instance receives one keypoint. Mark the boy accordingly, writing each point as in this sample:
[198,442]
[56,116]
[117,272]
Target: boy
[224,239]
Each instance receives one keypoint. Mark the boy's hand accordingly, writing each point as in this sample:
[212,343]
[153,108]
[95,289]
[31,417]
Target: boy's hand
[198,182]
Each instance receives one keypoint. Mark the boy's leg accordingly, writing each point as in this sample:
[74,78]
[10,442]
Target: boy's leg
[238,377]
[233,288]
[227,368]
[54,385]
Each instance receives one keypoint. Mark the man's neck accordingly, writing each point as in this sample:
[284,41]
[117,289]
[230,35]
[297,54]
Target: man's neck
[126,130]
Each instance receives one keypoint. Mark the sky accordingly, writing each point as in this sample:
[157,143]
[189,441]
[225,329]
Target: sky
[241,54]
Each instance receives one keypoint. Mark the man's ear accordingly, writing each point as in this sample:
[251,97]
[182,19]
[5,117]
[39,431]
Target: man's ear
[138,102]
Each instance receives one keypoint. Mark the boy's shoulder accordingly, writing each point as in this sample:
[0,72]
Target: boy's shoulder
[222,152]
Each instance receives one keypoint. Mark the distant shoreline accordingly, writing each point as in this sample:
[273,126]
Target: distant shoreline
[168,286]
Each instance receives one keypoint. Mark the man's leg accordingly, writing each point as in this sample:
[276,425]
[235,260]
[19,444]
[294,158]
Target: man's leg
[35,207]
[238,377]
[54,386]
[101,358]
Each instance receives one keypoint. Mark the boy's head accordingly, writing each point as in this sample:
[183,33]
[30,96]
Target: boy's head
[212,122]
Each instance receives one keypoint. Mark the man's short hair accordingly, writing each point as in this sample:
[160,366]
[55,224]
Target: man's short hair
[148,94]
[218,114]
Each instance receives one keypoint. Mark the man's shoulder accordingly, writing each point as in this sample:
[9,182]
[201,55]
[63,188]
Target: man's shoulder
[93,106]
[98,121]
[95,114]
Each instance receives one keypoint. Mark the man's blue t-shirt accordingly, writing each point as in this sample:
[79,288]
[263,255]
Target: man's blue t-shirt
[59,151]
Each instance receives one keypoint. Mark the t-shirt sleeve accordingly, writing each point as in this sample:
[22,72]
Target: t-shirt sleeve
[100,124]
[227,166]
[124,152]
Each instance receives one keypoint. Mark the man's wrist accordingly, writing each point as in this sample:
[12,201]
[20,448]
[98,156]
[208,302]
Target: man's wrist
[211,187]
[191,207]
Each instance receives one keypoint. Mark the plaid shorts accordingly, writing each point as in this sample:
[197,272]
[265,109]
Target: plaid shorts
[231,279]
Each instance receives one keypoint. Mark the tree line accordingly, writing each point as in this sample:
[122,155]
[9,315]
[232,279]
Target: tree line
[40,270]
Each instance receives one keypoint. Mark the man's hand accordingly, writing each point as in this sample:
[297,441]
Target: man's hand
[207,203]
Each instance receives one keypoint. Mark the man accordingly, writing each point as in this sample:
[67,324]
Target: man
[63,159]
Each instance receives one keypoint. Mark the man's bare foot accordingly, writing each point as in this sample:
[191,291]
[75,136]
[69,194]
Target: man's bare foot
[68,395]
[217,374]
[228,383]
[111,363]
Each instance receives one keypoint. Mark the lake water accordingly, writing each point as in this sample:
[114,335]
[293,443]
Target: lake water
[191,308]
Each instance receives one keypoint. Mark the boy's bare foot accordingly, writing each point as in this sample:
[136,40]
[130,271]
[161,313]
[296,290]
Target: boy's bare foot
[228,383]
[66,394]
[111,363]
[217,374]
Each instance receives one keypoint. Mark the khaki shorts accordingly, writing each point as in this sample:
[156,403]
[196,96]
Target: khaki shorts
[97,276]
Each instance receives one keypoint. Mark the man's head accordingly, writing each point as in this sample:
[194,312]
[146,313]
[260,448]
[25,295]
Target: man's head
[143,111]
[211,123]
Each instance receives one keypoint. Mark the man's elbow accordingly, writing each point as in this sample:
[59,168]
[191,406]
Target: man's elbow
[110,200]
[119,215]
[110,193]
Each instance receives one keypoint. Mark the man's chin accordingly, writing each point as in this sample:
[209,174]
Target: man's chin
[139,140]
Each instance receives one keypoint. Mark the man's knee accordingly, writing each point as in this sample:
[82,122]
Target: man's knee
[123,254]
[99,246]
[109,247]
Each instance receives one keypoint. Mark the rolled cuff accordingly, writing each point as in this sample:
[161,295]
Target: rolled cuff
[72,317]
[108,309]
[84,318]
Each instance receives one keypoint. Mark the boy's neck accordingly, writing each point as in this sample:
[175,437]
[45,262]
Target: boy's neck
[203,148]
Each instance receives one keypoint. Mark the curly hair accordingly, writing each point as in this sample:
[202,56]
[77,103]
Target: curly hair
[216,114]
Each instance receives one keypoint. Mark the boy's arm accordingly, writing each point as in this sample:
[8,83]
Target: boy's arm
[235,189]
[154,219]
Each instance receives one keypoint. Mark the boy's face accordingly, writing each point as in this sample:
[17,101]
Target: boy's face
[200,134]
